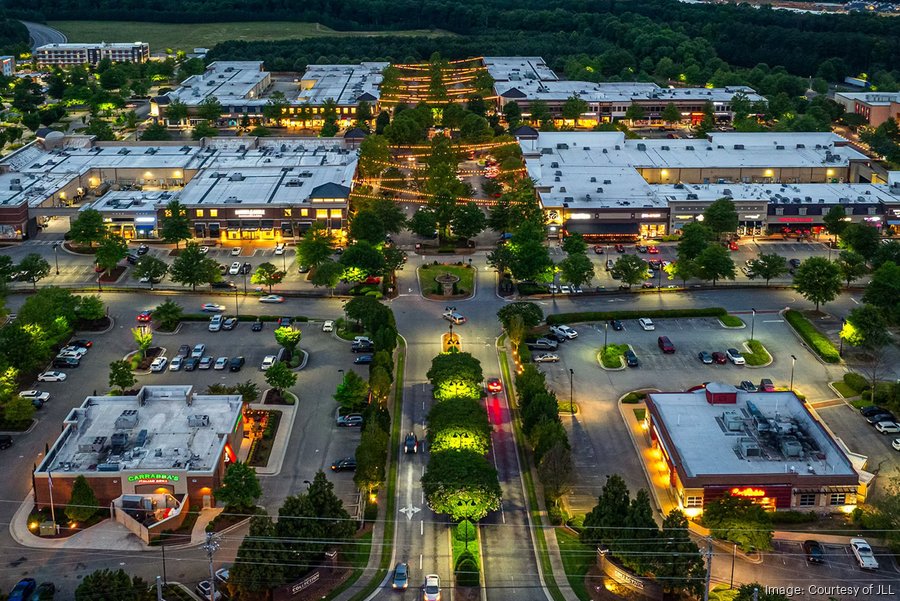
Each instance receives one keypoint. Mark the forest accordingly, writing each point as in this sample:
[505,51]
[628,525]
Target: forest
[556,29]
[13,37]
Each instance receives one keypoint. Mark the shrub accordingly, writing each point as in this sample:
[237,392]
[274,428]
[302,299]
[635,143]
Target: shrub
[526,288]
[633,397]
[611,355]
[607,315]
[794,517]
[556,514]
[371,512]
[467,571]
[857,382]
[465,531]
[814,338]
[731,321]
[758,354]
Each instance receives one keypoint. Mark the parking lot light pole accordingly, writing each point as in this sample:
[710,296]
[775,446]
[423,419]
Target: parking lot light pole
[752,323]
[56,257]
[841,349]
[793,362]
[571,392]
[605,334]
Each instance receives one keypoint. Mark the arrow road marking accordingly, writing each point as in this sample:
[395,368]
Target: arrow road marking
[410,511]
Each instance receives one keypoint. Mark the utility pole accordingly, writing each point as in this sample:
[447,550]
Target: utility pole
[708,568]
[212,545]
[571,392]
[752,324]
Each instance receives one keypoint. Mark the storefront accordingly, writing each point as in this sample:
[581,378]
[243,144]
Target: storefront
[615,226]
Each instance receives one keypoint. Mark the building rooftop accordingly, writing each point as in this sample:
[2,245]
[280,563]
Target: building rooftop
[871,98]
[825,194]
[518,68]
[227,81]
[762,434]
[161,427]
[344,84]
[82,45]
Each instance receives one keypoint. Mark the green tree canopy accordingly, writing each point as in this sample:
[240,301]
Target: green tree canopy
[280,377]
[328,274]
[721,216]
[87,228]
[367,225]
[176,225]
[768,266]
[151,268]
[577,269]
[852,266]
[468,221]
[671,114]
[112,249]
[83,502]
[315,247]
[715,263]
[818,280]
[371,458]
[267,275]
[531,313]
[867,328]
[861,238]
[191,267]
[121,377]
[461,484]
[630,269]
[695,236]
[455,375]
[739,520]
[362,260]
[602,525]
[884,290]
[573,108]
[33,268]
[240,488]
[835,220]
[352,392]
[459,424]
[288,337]
[167,315]
[106,585]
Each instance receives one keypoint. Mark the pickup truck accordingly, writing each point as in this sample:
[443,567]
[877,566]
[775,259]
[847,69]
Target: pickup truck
[863,554]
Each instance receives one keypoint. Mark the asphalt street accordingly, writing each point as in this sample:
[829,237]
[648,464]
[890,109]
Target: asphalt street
[42,34]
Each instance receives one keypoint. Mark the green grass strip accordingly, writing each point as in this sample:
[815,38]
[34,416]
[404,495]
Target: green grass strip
[813,337]
[577,559]
[535,512]
[758,355]
[731,321]
[659,314]
[611,355]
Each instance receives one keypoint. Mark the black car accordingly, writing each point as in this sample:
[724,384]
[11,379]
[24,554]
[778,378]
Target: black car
[872,410]
[283,322]
[245,268]
[81,343]
[66,362]
[235,363]
[143,249]
[555,337]
[345,464]
[616,325]
[814,551]
[363,360]
[190,364]
[223,286]
[5,441]
[184,351]
[303,269]
[257,326]
[132,259]
[362,347]
[411,443]
[885,416]
[631,359]
[794,263]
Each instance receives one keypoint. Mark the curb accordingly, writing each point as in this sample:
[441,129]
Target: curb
[17,432]
[279,460]
[304,362]
[110,328]
[803,343]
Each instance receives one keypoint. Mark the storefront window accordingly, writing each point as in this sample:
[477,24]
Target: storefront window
[199,230]
[693,502]
[838,498]
[214,212]
[807,500]
[213,230]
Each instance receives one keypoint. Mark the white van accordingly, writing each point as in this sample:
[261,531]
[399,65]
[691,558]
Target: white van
[454,317]
[279,248]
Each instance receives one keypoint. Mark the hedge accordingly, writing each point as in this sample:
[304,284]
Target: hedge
[611,356]
[856,382]
[813,337]
[758,354]
[607,315]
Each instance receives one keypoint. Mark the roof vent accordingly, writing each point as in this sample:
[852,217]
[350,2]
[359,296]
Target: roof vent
[593,180]
[642,147]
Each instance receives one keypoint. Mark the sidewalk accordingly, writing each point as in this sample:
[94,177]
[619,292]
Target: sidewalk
[374,563]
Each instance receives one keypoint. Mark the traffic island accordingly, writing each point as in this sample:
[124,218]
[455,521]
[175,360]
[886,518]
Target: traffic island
[611,357]
[466,546]
[440,281]
[450,343]
[756,355]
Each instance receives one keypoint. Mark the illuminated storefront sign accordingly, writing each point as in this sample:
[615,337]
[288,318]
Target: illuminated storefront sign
[250,212]
[795,219]
[651,215]
[153,478]
[748,492]
[579,216]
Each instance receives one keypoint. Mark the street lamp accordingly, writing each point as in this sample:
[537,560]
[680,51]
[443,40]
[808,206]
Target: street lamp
[605,334]
[571,392]
[752,323]
[56,256]
[245,281]
[793,362]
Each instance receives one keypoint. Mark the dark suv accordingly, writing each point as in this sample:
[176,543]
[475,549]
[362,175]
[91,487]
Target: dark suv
[66,362]
[235,364]
[665,344]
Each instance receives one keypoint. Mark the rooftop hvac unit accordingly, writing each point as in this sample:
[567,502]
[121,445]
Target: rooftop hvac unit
[118,441]
[593,180]
[95,445]
[198,421]
[562,189]
[692,196]
[641,147]
[236,177]
[791,447]
[664,148]
[738,146]
[141,439]
[749,448]
[607,182]
[801,146]
[732,421]
[127,420]
[554,165]
[600,190]
[689,147]
[779,147]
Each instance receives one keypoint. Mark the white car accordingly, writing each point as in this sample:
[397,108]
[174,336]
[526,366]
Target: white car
[646,324]
[888,427]
[221,363]
[896,443]
[79,351]
[735,356]
[546,358]
[565,289]
[52,376]
[235,268]
[432,589]
[268,361]
[69,355]
[863,554]
[159,364]
[204,250]
[212,308]
[35,394]
[328,326]
[177,363]
[279,248]
[215,323]
[271,298]
[564,331]
[236,251]
[198,351]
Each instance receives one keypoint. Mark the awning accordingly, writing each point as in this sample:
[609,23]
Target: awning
[587,228]
[825,489]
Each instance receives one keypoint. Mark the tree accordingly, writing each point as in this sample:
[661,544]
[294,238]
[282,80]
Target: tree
[888,250]
[866,328]
[248,390]
[101,130]
[259,562]
[574,244]
[818,280]
[671,114]
[275,107]
[288,337]
[167,315]
[630,269]
[112,249]
[367,225]
[642,533]
[475,129]
[392,217]
[204,130]
[328,273]
[540,112]
[530,260]
[151,268]
[455,375]
[862,238]
[423,223]
[459,424]
[192,267]
[155,132]
[884,290]
[362,260]
[556,471]
[739,520]
[635,112]
[835,220]
[380,382]
[176,112]
[461,484]
[280,377]
[88,227]
[468,221]
[18,410]
[210,109]
[143,338]
[240,488]
[352,392]
[679,565]
[721,217]
[121,377]
[512,114]
[315,247]
[33,268]
[176,225]
[602,525]
[532,315]
[852,266]
[371,458]
[695,236]
[577,269]
[768,266]
[715,263]
[106,585]
[573,108]
[83,503]
[267,275]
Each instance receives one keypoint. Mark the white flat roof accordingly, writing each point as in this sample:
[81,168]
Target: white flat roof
[707,447]
[871,98]
[179,434]
[518,68]
[344,84]
[228,81]
[806,194]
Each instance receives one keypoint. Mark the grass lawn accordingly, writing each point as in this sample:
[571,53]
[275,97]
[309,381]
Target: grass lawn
[758,355]
[844,390]
[813,337]
[633,397]
[731,321]
[577,559]
[187,36]
[611,355]
[427,273]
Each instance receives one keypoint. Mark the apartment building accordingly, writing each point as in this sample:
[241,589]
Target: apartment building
[90,54]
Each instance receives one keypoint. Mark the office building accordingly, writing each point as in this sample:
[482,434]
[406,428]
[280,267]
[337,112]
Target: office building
[90,54]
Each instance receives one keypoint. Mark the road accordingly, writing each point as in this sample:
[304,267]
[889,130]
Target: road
[41,34]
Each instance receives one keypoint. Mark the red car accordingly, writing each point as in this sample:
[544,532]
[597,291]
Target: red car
[620,248]
[653,250]
[719,358]
[494,385]
[144,316]
[732,246]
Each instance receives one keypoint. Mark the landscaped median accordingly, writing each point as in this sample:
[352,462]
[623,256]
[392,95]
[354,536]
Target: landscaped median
[816,340]
[755,354]
[559,318]
[610,356]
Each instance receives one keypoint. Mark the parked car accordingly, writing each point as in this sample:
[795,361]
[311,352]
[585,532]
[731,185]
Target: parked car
[328,326]
[872,410]
[555,337]
[235,364]
[142,250]
[345,464]
[215,323]
[719,358]
[766,385]
[546,358]
[35,395]
[303,268]
[183,351]
[747,385]
[888,427]
[70,354]
[631,359]
[353,420]
[204,588]
[877,418]
[363,360]
[620,248]
[665,345]
[494,385]
[131,259]
[411,443]
[543,344]
[894,443]
[598,249]
[23,589]
[279,248]
[198,351]
[222,575]
[565,289]
[52,376]
[267,362]
[616,325]
[246,268]
[145,316]
[814,551]
[862,552]
[654,250]
[236,251]
[564,331]
[82,342]
[432,589]
[735,356]
[257,326]
[5,441]
[362,347]
[705,357]
[204,250]
[177,363]
[65,362]
[235,268]
[454,317]
[271,298]
[159,364]
[221,363]
[229,323]
[794,263]
[190,364]
[400,580]
[646,324]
